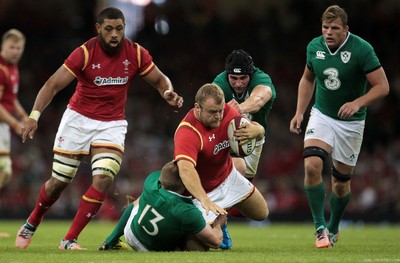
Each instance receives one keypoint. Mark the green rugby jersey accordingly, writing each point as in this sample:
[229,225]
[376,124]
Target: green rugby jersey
[259,78]
[340,76]
[164,217]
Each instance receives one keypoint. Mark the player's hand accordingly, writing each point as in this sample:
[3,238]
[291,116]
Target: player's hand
[17,127]
[208,205]
[219,221]
[28,129]
[246,132]
[295,124]
[173,98]
[348,110]
[234,104]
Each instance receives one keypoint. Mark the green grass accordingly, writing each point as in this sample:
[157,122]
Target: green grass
[272,243]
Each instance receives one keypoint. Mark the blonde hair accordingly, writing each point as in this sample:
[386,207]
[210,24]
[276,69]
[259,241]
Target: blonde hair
[14,34]
[209,90]
[334,12]
[170,179]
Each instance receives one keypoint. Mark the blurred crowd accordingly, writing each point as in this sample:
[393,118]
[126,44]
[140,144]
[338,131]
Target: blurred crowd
[201,34]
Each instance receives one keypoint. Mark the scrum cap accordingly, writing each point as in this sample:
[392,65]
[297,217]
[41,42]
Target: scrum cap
[239,62]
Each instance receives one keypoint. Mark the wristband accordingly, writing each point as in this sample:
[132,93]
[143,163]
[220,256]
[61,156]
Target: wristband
[166,92]
[34,115]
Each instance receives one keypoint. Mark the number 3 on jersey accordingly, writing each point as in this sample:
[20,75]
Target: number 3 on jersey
[153,221]
[332,82]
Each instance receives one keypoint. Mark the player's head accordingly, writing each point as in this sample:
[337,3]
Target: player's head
[209,105]
[239,67]
[111,29]
[170,179]
[334,26]
[12,45]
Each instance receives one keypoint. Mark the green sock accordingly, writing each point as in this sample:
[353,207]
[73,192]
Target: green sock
[316,200]
[338,206]
[118,231]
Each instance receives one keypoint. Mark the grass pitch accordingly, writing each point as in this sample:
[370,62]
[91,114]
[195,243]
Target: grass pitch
[274,242]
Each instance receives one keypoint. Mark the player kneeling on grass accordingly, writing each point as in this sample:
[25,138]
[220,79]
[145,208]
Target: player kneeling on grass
[162,219]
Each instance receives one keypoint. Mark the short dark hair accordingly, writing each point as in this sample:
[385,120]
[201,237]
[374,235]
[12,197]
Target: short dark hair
[239,62]
[334,12]
[110,13]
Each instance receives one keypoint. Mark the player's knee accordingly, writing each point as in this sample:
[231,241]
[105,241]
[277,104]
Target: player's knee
[5,170]
[240,165]
[107,164]
[339,176]
[313,165]
[64,168]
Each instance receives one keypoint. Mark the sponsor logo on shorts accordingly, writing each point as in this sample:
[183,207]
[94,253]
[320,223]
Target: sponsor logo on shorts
[60,140]
[310,131]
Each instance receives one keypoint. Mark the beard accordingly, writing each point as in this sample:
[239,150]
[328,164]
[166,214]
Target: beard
[109,49]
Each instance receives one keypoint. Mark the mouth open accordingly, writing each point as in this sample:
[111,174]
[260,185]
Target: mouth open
[114,43]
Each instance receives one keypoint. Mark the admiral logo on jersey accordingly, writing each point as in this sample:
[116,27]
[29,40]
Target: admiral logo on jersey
[320,55]
[99,81]
[220,146]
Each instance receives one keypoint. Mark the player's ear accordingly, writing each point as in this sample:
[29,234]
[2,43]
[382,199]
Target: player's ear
[98,28]
[197,107]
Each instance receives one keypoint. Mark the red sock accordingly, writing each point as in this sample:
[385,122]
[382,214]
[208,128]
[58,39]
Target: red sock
[88,207]
[235,212]
[43,204]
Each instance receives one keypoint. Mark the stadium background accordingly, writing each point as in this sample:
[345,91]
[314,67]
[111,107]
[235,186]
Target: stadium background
[189,40]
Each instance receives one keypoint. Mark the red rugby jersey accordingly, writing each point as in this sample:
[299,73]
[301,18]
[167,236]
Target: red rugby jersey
[9,79]
[207,149]
[103,80]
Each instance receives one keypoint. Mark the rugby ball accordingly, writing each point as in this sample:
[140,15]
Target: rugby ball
[244,149]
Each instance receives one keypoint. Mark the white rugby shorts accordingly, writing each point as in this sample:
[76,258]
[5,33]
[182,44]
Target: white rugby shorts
[345,137]
[130,236]
[5,138]
[77,133]
[232,191]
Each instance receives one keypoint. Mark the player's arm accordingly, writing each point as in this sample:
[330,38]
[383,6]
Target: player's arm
[7,117]
[191,180]
[210,237]
[305,93]
[20,111]
[58,81]
[163,84]
[260,95]
[379,89]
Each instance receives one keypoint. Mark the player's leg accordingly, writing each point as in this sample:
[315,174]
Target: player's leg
[64,170]
[315,155]
[340,197]
[248,167]
[5,159]
[105,166]
[255,207]
[240,165]
[349,136]
[5,170]
[319,140]
[113,241]
[253,159]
